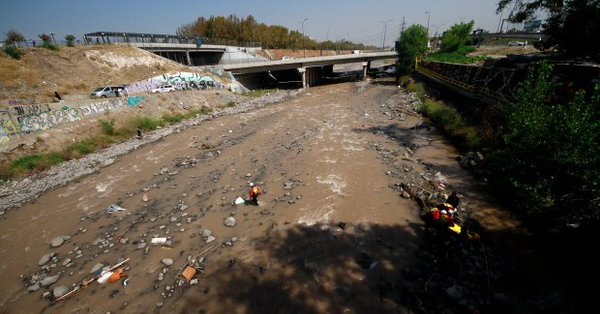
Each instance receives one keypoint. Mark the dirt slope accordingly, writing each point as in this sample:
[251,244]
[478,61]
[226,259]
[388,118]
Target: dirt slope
[76,70]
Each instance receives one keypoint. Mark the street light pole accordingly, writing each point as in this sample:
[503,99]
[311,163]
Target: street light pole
[384,32]
[303,47]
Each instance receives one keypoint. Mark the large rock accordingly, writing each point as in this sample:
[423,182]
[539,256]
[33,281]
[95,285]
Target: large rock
[45,259]
[58,241]
[167,261]
[34,288]
[59,291]
[49,280]
[229,222]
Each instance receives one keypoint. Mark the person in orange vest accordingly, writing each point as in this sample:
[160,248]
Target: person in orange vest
[254,193]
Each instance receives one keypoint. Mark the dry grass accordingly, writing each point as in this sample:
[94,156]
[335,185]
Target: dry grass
[74,70]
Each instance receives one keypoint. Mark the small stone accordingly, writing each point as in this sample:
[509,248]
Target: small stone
[59,291]
[58,241]
[248,175]
[287,185]
[66,262]
[206,233]
[229,222]
[210,239]
[159,304]
[194,282]
[141,246]
[46,294]
[49,280]
[167,261]
[161,276]
[96,268]
[124,241]
[455,292]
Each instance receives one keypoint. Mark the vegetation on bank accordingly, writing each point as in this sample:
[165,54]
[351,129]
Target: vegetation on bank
[545,155]
[106,136]
[458,56]
[411,44]
[455,46]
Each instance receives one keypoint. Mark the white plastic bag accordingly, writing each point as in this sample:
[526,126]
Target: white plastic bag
[239,201]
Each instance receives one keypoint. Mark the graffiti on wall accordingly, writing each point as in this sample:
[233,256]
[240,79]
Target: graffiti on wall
[180,80]
[47,120]
[6,122]
[134,101]
[41,117]
[3,136]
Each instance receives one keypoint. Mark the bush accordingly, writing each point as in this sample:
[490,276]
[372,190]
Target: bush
[147,123]
[70,40]
[458,56]
[13,52]
[37,162]
[456,37]
[452,123]
[107,127]
[172,119]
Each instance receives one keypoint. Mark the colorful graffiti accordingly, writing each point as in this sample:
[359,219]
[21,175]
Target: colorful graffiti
[44,118]
[180,80]
[134,101]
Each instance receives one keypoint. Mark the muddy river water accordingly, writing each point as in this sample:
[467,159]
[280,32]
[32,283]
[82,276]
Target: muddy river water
[330,234]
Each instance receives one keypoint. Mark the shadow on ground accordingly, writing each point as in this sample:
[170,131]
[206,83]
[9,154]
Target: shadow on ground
[340,268]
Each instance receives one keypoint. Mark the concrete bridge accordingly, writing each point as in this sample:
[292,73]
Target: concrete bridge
[311,69]
[192,55]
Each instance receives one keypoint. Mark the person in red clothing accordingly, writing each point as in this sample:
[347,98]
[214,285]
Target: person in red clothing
[254,193]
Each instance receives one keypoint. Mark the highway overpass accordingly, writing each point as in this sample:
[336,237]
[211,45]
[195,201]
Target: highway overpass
[311,69]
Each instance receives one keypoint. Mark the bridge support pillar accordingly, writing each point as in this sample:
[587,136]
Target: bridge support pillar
[187,56]
[303,73]
[366,68]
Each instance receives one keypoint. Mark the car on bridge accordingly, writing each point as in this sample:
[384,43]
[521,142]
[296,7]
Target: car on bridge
[162,89]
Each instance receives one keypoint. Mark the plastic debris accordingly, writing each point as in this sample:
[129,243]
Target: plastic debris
[239,201]
[188,273]
[158,240]
[114,208]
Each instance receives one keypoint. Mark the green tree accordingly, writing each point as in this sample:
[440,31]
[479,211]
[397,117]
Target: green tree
[571,24]
[13,36]
[456,37]
[411,44]
[550,157]
[70,40]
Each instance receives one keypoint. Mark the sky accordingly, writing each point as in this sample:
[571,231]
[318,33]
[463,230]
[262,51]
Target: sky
[355,20]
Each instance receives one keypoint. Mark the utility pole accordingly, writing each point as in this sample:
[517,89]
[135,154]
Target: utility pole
[303,47]
[384,32]
[402,27]
[428,17]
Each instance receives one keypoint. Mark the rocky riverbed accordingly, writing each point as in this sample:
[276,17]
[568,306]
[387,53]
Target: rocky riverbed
[336,229]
